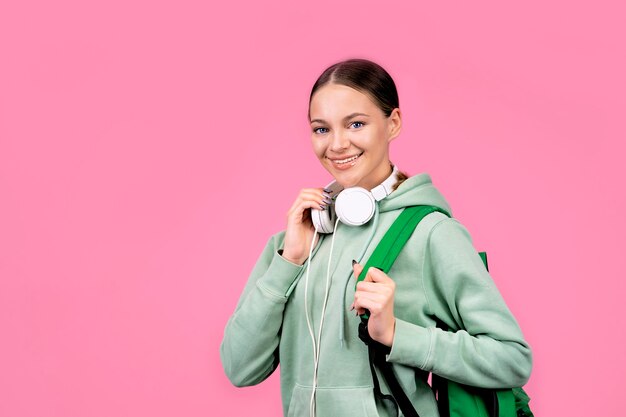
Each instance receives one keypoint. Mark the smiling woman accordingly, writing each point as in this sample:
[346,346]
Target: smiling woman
[304,324]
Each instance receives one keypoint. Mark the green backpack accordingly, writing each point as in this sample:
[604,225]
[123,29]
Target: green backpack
[453,399]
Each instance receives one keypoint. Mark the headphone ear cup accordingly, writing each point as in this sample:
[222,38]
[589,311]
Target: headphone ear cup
[355,206]
[324,220]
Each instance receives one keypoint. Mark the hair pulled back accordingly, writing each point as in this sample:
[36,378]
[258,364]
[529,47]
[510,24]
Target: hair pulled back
[365,76]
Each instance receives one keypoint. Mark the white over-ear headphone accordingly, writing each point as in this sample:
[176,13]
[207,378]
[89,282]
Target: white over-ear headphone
[354,206]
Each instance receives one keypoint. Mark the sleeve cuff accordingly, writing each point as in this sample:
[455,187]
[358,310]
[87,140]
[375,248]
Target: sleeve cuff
[412,345]
[280,277]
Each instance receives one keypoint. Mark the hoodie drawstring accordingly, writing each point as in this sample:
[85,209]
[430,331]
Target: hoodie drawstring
[342,330]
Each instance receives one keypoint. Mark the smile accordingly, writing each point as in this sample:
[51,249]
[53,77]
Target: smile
[347,160]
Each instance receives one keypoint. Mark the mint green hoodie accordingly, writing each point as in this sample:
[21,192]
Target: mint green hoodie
[438,275]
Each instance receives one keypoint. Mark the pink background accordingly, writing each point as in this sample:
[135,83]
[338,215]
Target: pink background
[149,149]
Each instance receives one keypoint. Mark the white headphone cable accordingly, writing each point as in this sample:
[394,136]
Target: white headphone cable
[308,320]
[316,345]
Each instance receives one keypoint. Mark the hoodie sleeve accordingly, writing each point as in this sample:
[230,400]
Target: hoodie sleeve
[488,349]
[249,349]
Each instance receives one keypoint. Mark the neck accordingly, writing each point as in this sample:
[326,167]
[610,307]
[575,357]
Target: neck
[385,188]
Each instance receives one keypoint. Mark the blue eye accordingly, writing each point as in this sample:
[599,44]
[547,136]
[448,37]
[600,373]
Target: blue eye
[317,130]
[357,123]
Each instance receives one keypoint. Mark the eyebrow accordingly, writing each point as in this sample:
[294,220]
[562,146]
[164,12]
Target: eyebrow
[348,117]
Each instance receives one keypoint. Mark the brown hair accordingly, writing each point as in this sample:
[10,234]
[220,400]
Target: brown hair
[401,178]
[367,77]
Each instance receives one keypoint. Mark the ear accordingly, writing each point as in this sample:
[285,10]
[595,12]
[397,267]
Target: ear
[394,124]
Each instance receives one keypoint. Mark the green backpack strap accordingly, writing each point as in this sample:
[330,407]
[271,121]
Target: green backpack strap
[396,237]
[394,240]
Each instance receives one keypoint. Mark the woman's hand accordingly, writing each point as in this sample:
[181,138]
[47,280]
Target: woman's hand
[375,293]
[300,228]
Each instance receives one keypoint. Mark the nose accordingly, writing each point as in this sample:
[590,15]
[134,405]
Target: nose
[339,142]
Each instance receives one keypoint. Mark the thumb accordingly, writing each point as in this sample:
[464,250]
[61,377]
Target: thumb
[356,268]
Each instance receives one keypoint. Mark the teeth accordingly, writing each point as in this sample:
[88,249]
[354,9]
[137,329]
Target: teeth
[344,161]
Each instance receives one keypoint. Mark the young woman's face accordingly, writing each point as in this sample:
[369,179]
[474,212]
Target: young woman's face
[351,135]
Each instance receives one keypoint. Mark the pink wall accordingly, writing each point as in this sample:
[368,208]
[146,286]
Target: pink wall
[148,150]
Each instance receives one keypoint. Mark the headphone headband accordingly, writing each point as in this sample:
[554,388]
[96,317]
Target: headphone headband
[386,187]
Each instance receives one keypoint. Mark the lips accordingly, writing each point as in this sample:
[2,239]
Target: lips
[345,160]
[345,163]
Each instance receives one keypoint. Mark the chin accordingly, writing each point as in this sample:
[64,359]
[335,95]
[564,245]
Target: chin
[347,182]
[345,179]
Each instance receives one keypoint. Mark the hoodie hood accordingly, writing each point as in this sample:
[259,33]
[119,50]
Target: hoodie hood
[414,191]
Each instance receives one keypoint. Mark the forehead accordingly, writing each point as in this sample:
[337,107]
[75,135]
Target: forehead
[334,101]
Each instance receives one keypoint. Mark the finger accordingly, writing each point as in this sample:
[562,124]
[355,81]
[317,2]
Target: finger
[356,268]
[367,302]
[300,205]
[368,277]
[311,198]
[309,204]
[358,311]
[298,210]
[375,287]
[359,296]
[315,194]
[374,274]
[312,194]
